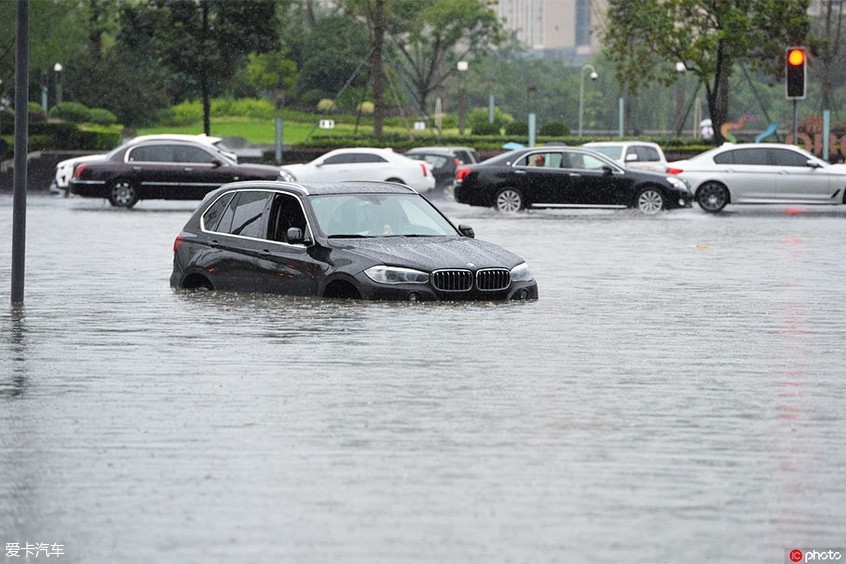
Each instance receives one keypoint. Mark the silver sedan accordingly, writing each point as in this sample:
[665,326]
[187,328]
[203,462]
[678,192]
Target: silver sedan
[761,173]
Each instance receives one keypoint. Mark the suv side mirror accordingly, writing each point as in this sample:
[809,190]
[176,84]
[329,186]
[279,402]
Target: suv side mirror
[467,231]
[295,236]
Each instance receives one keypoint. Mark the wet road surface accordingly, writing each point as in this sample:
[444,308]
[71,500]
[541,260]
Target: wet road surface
[676,395]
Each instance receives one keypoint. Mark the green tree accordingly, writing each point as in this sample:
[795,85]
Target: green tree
[205,41]
[708,37]
[272,73]
[333,51]
[443,33]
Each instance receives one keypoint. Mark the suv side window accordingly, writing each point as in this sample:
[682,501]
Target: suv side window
[212,216]
[287,212]
[244,215]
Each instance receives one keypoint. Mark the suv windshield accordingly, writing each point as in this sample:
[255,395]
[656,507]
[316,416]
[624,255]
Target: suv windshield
[379,215]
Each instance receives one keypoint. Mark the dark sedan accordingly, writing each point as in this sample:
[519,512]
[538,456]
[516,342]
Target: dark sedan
[553,177]
[444,165]
[368,240]
[161,169]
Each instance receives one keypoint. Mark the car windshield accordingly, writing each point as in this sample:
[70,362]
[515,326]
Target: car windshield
[379,215]
[607,150]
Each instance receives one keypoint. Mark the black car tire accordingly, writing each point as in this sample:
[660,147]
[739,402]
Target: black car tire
[123,193]
[712,197]
[650,200]
[509,200]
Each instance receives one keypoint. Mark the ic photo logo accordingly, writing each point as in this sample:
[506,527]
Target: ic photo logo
[814,555]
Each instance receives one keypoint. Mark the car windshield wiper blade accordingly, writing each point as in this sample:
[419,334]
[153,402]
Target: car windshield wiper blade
[351,236]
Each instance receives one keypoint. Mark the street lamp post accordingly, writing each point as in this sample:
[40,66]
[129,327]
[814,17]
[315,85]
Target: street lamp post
[593,76]
[462,67]
[57,68]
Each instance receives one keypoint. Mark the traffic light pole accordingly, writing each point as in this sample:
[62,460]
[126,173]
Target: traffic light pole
[795,123]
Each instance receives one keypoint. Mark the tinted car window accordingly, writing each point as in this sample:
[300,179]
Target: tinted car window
[340,159]
[212,216]
[243,216]
[369,158]
[188,154]
[786,157]
[646,154]
[754,156]
[152,154]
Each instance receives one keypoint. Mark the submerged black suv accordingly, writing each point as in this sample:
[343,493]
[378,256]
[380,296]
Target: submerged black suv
[369,240]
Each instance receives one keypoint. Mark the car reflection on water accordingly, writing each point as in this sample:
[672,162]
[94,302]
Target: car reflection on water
[368,240]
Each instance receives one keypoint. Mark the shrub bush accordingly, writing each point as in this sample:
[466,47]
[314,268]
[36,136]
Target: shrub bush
[35,112]
[485,128]
[554,129]
[520,128]
[71,111]
[186,113]
[326,105]
[366,108]
[102,116]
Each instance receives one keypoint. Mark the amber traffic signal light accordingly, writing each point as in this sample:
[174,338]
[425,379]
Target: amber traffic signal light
[796,66]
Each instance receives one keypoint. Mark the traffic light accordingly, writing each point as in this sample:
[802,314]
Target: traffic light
[796,65]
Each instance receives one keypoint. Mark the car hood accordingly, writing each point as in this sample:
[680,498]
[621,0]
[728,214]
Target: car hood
[429,253]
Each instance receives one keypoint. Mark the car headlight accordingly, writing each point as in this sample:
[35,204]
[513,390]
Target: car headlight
[678,183]
[287,176]
[396,275]
[521,273]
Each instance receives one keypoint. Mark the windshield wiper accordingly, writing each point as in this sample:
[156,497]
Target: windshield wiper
[351,236]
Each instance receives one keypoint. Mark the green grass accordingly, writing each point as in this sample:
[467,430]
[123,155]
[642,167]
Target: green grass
[262,131]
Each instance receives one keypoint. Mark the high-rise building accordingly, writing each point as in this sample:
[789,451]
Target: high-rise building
[553,27]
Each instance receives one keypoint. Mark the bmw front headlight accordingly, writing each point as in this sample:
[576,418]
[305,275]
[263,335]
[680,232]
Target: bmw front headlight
[396,275]
[678,183]
[521,273]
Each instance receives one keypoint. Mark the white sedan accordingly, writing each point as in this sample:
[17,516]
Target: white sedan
[760,173]
[633,154]
[363,163]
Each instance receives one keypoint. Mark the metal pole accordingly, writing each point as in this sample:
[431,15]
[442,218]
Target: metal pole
[795,124]
[581,99]
[21,149]
[278,140]
[532,128]
[826,133]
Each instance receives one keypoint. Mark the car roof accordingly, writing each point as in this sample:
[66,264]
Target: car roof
[431,151]
[322,188]
[199,137]
[618,143]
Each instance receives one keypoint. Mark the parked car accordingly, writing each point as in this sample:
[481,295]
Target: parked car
[65,168]
[558,177]
[369,240]
[466,155]
[633,154]
[443,162]
[761,173]
[363,163]
[162,169]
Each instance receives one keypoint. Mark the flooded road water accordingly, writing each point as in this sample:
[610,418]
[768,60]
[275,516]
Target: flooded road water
[676,395]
